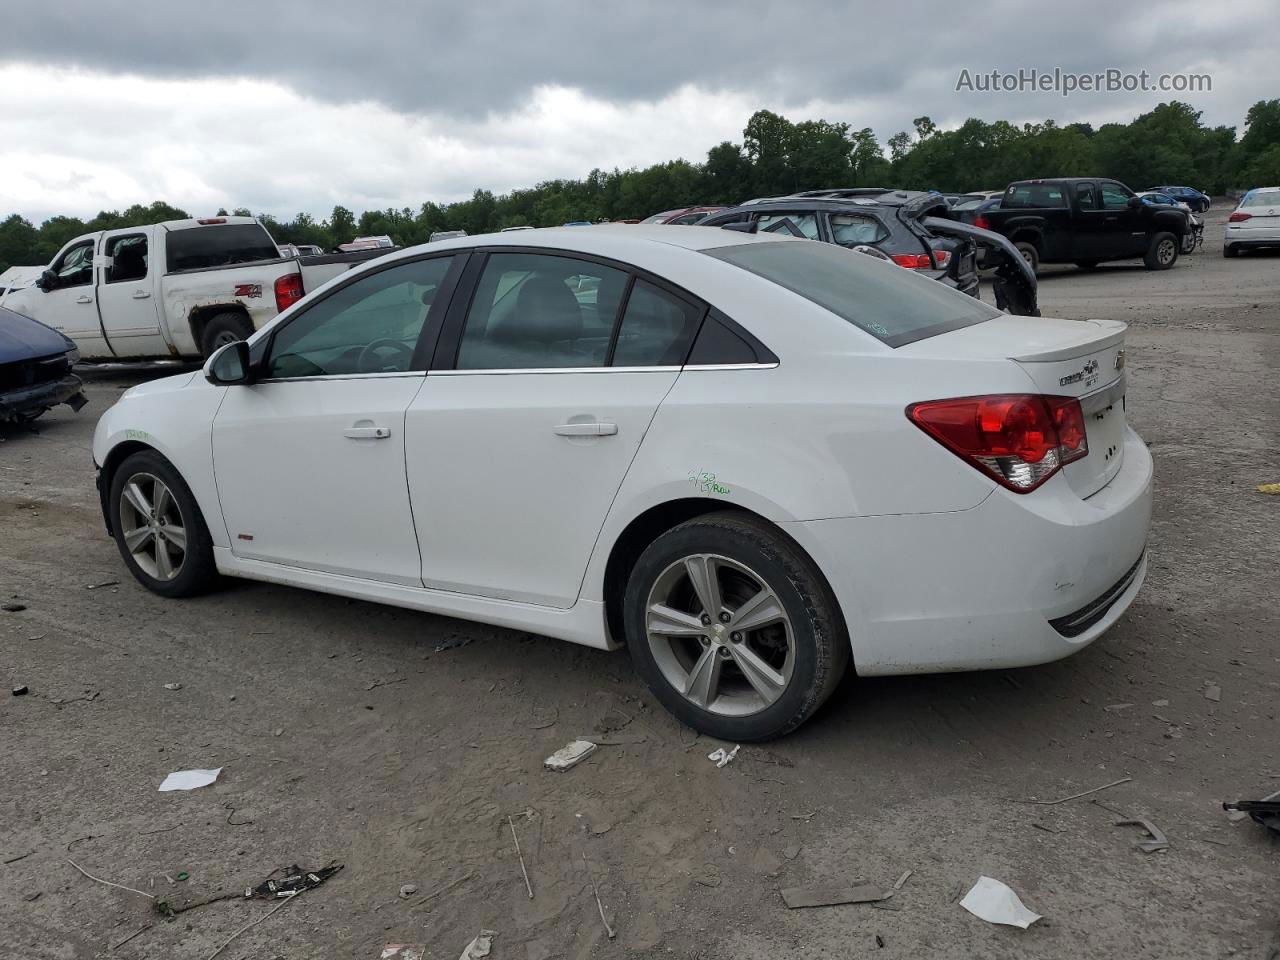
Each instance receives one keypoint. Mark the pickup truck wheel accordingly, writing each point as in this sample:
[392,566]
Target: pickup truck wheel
[1163,252]
[158,527]
[1087,264]
[1029,254]
[222,329]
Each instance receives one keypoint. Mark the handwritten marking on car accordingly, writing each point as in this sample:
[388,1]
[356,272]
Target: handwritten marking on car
[705,482]
[137,435]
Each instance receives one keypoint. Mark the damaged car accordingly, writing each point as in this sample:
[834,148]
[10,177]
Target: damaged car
[35,369]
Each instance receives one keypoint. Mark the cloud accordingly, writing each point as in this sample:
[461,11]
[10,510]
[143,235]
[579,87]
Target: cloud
[307,104]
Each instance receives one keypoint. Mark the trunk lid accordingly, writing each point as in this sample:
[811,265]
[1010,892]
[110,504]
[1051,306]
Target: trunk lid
[1064,358]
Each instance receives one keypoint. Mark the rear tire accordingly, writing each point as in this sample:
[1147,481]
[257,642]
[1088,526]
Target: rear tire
[1163,252]
[158,527]
[1229,251]
[1029,254]
[794,639]
[222,329]
[1088,264]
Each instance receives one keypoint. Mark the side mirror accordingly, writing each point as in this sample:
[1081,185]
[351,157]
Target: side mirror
[1135,203]
[48,281]
[229,365]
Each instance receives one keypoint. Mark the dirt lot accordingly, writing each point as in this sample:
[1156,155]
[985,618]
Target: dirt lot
[347,734]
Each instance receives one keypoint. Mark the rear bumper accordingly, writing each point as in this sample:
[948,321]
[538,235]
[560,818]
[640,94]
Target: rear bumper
[27,401]
[1014,581]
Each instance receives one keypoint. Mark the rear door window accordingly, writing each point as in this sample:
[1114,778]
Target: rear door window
[893,305]
[1034,196]
[1087,195]
[128,258]
[656,328]
[850,230]
[806,223]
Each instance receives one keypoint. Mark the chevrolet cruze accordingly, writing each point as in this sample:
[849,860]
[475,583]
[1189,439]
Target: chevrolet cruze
[754,461]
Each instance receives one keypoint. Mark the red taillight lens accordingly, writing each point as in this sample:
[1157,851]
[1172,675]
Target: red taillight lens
[288,290]
[982,223]
[941,258]
[208,221]
[1019,440]
[913,261]
[1239,217]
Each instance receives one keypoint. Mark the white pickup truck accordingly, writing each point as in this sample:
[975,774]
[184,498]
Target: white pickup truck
[181,288]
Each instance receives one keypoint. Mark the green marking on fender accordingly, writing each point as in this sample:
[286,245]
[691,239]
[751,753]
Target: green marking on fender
[705,482]
[137,435]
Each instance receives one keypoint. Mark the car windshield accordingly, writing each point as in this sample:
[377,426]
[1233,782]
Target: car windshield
[893,305]
[197,248]
[1262,198]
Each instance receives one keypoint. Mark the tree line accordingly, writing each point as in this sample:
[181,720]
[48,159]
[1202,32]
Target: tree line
[1168,145]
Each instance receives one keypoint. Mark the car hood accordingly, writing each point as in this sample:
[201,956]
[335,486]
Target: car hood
[22,338]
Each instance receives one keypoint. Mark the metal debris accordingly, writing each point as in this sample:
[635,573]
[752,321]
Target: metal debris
[525,872]
[21,690]
[599,906]
[1213,692]
[830,895]
[1158,840]
[1077,796]
[295,881]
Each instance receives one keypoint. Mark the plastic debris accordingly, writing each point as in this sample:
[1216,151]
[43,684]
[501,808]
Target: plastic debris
[1156,840]
[720,756]
[13,607]
[570,755]
[1269,488]
[21,690]
[1213,692]
[295,881]
[403,951]
[480,946]
[994,902]
[189,779]
[407,890]
[830,895]
[173,686]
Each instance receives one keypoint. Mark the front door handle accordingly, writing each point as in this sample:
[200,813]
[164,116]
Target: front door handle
[141,294]
[367,433]
[84,299]
[586,429]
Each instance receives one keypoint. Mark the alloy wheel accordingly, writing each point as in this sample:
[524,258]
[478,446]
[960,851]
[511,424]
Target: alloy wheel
[720,635]
[223,337]
[1165,252]
[152,526]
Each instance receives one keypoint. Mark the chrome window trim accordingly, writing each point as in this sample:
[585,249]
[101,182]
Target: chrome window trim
[342,376]
[510,371]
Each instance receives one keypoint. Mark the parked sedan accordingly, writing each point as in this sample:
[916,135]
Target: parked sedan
[750,459]
[1193,198]
[1255,223]
[35,369]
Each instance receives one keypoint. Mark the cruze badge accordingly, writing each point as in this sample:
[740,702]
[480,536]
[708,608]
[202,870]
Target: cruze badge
[1090,368]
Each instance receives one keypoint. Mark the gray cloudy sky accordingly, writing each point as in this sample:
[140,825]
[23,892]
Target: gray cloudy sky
[300,104]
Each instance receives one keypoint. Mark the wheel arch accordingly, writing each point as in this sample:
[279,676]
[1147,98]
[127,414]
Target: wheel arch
[110,464]
[656,520]
[200,316]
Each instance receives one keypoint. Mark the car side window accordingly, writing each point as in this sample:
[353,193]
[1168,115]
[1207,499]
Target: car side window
[534,311]
[128,258]
[369,326]
[75,267]
[849,230]
[806,223]
[1114,197]
[1087,194]
[656,328]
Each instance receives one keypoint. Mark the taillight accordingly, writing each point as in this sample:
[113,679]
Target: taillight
[1239,217]
[208,221]
[288,290]
[941,257]
[913,261]
[1019,440]
[982,223]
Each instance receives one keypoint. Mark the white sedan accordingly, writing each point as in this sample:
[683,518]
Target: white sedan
[752,460]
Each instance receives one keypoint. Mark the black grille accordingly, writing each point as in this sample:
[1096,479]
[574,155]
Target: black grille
[30,373]
[1077,622]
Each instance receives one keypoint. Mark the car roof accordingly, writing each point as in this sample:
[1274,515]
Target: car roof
[894,199]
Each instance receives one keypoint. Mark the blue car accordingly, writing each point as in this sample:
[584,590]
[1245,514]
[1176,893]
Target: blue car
[1193,198]
[35,369]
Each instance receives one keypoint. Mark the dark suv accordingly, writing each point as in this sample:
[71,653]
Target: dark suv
[912,228]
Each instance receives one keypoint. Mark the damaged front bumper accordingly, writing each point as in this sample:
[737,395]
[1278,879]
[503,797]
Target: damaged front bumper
[27,403]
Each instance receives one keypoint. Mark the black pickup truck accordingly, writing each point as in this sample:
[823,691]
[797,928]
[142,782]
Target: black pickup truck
[1085,220]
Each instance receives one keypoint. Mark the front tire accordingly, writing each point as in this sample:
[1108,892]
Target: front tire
[734,628]
[158,527]
[224,328]
[1029,254]
[1163,252]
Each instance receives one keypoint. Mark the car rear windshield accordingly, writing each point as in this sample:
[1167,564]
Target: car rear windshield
[1034,196]
[197,248]
[887,301]
[1262,198]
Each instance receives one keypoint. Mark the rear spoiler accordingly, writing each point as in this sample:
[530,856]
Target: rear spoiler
[1015,282]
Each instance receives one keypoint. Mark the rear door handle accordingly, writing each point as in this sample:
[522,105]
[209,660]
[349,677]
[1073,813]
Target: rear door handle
[586,430]
[84,299]
[140,294]
[367,433]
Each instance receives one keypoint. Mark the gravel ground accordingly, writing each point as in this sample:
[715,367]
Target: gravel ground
[399,743]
